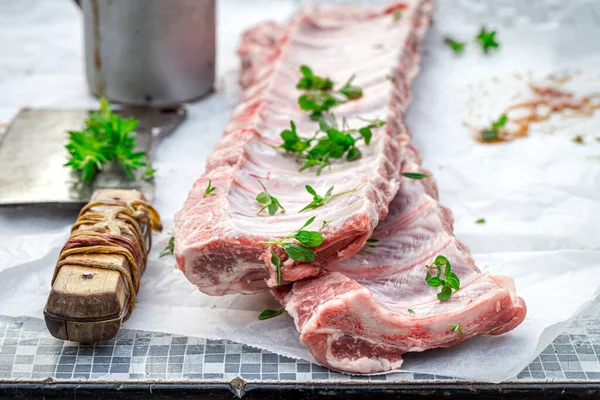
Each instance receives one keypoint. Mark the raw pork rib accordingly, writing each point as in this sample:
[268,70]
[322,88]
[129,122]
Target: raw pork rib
[356,318]
[217,236]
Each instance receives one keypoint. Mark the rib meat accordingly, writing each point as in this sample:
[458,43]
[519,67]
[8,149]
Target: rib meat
[218,236]
[356,318]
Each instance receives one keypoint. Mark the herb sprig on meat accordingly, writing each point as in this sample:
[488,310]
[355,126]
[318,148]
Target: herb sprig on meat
[296,251]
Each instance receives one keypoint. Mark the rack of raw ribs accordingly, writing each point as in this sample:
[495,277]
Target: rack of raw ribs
[358,308]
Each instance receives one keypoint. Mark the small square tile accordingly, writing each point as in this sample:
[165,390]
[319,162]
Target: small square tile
[158,350]
[22,368]
[83,367]
[232,358]
[192,368]
[287,377]
[86,351]
[193,376]
[174,368]
[85,359]
[283,359]
[250,376]
[250,368]
[176,360]
[195,349]
[69,351]
[214,368]
[47,359]
[212,376]
[270,358]
[232,368]
[65,368]
[103,351]
[156,368]
[251,358]
[320,375]
[100,368]
[301,367]
[102,360]
[214,358]
[548,358]
[564,358]
[49,350]
[214,349]
[161,341]
[121,360]
[287,368]
[179,340]
[23,359]
[119,368]
[26,350]
[552,367]
[48,369]
[269,377]
[123,351]
[140,350]
[233,348]
[270,368]
[177,350]
[156,360]
[194,359]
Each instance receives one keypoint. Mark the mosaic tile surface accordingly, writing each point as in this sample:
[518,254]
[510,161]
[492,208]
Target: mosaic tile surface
[28,352]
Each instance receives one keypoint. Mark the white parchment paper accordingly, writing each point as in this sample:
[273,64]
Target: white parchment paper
[540,196]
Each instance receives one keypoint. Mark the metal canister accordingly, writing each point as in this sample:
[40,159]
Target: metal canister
[149,52]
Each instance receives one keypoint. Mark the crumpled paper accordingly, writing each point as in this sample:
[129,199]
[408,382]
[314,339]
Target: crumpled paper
[540,196]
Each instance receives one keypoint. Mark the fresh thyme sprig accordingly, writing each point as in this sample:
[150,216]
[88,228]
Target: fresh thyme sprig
[448,282]
[332,142]
[456,328]
[415,175]
[106,137]
[209,189]
[299,252]
[493,131]
[456,46]
[268,313]
[269,201]
[319,96]
[170,247]
[371,242]
[319,201]
[487,40]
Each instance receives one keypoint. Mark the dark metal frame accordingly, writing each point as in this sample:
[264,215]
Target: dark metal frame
[296,391]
